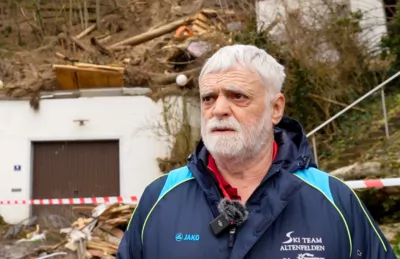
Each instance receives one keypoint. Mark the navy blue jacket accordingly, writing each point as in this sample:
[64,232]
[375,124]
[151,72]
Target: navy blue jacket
[297,212]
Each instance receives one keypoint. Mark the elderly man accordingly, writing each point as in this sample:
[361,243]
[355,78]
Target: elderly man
[250,189]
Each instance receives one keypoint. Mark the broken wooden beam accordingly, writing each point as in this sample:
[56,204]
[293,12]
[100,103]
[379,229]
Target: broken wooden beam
[149,35]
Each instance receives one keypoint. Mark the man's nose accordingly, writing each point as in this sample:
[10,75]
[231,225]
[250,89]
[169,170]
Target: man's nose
[222,107]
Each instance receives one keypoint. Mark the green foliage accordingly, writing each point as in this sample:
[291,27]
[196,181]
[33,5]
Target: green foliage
[383,204]
[396,245]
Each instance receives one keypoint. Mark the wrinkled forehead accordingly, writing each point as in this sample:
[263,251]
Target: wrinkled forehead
[233,79]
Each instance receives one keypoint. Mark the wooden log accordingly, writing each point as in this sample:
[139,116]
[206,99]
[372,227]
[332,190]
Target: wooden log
[86,31]
[104,39]
[100,47]
[359,171]
[221,11]
[152,34]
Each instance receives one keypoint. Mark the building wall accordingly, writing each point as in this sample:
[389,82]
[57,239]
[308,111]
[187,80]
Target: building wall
[373,22]
[131,119]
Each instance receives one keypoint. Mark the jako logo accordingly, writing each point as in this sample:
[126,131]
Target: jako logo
[187,237]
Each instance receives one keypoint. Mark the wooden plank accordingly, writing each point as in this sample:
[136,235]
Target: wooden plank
[81,66]
[72,77]
[99,79]
[66,79]
[202,25]
[112,68]
[201,17]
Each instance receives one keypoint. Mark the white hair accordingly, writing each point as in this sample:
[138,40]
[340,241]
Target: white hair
[257,60]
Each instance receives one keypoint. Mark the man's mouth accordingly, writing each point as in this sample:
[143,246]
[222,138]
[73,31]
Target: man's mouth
[222,130]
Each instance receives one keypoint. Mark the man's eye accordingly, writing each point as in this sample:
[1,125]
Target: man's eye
[207,98]
[238,96]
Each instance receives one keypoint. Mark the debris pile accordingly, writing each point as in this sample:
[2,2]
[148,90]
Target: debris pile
[95,236]
[99,236]
[180,46]
[151,59]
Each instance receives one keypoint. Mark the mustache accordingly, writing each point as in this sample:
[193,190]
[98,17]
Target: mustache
[225,124]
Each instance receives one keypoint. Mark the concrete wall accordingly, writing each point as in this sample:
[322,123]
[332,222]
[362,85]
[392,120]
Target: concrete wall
[128,118]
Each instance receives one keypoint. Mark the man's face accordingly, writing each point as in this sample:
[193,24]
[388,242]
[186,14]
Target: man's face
[235,113]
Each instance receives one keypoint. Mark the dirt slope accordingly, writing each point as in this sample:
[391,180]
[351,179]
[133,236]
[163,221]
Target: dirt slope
[30,38]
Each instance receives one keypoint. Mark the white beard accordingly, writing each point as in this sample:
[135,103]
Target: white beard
[245,141]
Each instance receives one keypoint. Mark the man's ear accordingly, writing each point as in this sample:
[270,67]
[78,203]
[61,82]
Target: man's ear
[277,108]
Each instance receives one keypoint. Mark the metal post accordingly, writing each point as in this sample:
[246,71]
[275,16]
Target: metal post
[314,144]
[384,112]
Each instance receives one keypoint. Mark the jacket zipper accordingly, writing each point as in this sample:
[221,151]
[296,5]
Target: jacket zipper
[232,228]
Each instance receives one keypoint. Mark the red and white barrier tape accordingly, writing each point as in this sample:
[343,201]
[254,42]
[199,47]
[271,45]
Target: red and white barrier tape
[72,201]
[373,183]
[357,184]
